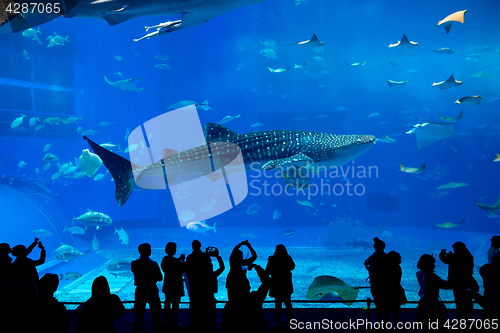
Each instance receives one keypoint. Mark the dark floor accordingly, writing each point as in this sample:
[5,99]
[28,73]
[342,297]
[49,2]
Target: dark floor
[324,319]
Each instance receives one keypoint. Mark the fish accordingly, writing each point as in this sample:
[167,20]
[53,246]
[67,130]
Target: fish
[119,266]
[305,203]
[159,56]
[52,120]
[99,176]
[253,209]
[70,255]
[71,276]
[325,284]
[186,215]
[162,66]
[110,146]
[47,147]
[444,50]
[55,176]
[278,70]
[312,268]
[228,118]
[26,55]
[22,164]
[125,84]
[479,74]
[57,40]
[124,274]
[200,227]
[32,33]
[41,232]
[64,248]
[452,185]
[451,119]
[428,133]
[89,163]
[71,120]
[313,42]
[274,148]
[75,230]
[33,121]
[289,232]
[276,214]
[386,139]
[447,22]
[91,218]
[472,100]
[257,125]
[95,243]
[240,66]
[412,170]
[50,157]
[447,225]
[193,12]
[122,235]
[372,115]
[269,54]
[361,243]
[449,83]
[396,84]
[305,65]
[355,63]
[18,121]
[404,42]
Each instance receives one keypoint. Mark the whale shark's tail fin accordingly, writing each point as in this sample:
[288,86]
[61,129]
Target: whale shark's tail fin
[120,168]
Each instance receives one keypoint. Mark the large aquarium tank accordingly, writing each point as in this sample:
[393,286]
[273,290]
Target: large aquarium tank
[315,124]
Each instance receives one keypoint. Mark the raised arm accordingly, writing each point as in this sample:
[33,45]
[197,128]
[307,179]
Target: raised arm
[43,255]
[32,246]
[250,260]
[222,267]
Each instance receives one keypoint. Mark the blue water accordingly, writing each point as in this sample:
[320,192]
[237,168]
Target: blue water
[67,80]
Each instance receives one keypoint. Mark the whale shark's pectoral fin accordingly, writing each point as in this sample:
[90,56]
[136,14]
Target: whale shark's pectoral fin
[114,17]
[282,161]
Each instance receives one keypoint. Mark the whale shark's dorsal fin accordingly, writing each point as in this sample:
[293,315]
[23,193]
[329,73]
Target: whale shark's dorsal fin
[218,133]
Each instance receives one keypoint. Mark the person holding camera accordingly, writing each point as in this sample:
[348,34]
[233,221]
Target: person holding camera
[173,284]
[26,266]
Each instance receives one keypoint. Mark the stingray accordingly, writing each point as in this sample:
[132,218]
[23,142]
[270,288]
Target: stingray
[450,83]
[451,119]
[396,84]
[472,100]
[452,185]
[445,50]
[404,42]
[493,208]
[448,21]
[355,64]
[448,224]
[313,42]
[412,170]
[428,133]
[479,74]
[324,285]
[126,84]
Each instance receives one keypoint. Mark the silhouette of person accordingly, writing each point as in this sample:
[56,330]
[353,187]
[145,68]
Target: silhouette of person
[173,285]
[49,315]
[99,312]
[146,273]
[489,300]
[249,311]
[237,284]
[429,306]
[494,252]
[460,269]
[375,264]
[394,292]
[192,261]
[207,287]
[5,266]
[25,265]
[280,267]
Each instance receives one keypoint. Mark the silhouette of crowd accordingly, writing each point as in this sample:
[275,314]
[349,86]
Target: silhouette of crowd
[21,288]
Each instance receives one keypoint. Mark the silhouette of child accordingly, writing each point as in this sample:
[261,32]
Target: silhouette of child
[280,267]
[395,294]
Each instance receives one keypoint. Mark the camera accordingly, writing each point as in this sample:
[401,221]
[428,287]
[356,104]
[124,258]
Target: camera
[212,251]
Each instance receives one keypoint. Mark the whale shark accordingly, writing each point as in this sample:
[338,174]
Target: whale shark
[274,149]
[194,12]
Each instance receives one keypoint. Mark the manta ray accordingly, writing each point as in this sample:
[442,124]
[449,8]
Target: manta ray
[412,170]
[428,133]
[194,12]
[396,84]
[313,42]
[447,225]
[472,100]
[447,22]
[275,148]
